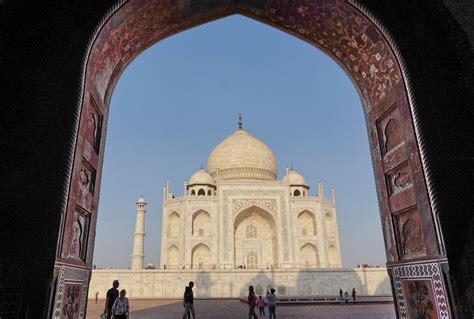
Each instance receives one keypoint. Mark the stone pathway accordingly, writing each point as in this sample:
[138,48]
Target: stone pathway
[167,309]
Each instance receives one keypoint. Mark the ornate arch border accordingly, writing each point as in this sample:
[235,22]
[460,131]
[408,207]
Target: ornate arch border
[81,159]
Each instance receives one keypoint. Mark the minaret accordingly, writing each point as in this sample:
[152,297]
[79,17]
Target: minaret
[333,195]
[320,190]
[139,238]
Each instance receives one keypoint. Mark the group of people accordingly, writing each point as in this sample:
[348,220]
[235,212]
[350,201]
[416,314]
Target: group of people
[116,304]
[260,303]
[344,298]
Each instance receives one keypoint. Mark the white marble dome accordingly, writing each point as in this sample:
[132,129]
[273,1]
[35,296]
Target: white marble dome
[294,178]
[201,177]
[242,156]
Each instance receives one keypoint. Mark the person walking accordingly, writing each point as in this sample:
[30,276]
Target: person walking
[188,301]
[341,299]
[251,300]
[261,305]
[112,294]
[354,293]
[271,300]
[121,308]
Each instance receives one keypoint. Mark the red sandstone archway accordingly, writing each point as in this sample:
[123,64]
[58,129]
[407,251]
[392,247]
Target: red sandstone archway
[415,256]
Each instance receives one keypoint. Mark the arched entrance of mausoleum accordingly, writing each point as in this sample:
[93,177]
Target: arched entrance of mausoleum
[255,239]
[415,254]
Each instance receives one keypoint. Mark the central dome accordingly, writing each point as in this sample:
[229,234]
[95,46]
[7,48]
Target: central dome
[242,156]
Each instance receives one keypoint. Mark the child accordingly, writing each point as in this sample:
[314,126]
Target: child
[261,305]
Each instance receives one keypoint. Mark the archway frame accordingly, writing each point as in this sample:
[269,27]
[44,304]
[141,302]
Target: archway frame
[193,221]
[376,71]
[240,217]
[194,249]
[317,262]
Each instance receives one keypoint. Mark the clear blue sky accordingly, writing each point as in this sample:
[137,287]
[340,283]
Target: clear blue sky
[177,100]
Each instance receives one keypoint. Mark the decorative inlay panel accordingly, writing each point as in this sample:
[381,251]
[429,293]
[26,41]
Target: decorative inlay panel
[71,293]
[239,205]
[411,242]
[334,26]
[389,130]
[86,180]
[71,302]
[95,120]
[245,173]
[420,298]
[399,179]
[420,288]
[80,232]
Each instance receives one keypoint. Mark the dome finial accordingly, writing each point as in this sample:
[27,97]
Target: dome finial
[240,121]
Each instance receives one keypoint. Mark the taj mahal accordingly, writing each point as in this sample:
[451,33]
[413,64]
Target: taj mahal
[238,224]
[236,213]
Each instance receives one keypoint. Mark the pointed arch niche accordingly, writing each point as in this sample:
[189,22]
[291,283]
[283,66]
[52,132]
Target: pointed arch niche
[255,236]
[201,223]
[174,223]
[201,257]
[309,256]
[307,223]
[172,257]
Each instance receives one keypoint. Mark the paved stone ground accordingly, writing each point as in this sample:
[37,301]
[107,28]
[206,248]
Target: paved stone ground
[167,309]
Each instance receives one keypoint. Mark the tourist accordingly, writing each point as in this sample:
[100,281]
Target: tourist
[251,302]
[346,297]
[261,305]
[271,299]
[354,294]
[341,300]
[120,309]
[188,301]
[112,294]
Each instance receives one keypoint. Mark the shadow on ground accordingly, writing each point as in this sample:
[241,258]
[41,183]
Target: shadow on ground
[207,309]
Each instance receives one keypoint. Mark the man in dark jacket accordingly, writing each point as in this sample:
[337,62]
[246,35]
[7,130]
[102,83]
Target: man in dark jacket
[112,294]
[188,301]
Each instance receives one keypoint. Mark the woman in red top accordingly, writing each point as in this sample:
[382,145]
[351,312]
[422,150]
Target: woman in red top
[251,301]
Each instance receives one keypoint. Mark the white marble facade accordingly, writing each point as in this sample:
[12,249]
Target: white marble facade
[237,214]
[150,283]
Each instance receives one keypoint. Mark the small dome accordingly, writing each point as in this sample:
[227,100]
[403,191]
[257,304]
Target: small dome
[242,156]
[294,178]
[201,177]
[141,200]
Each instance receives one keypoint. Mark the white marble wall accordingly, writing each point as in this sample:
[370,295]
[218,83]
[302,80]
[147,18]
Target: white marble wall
[219,217]
[234,283]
